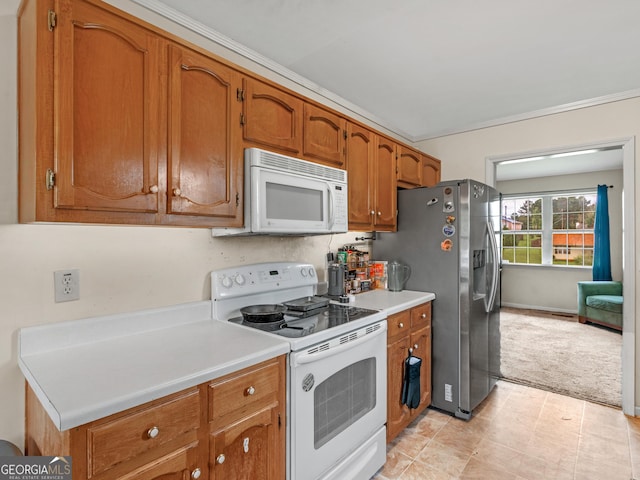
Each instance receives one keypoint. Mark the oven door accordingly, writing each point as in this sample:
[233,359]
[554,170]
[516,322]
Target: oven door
[338,402]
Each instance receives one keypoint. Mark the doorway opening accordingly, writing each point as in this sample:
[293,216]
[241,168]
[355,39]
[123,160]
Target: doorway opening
[548,170]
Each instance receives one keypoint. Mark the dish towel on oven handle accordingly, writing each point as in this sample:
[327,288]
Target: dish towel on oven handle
[411,383]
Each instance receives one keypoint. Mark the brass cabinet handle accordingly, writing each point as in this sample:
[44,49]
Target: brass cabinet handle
[220,459]
[153,432]
[424,315]
[153,188]
[401,325]
[251,391]
[177,192]
[196,474]
[415,346]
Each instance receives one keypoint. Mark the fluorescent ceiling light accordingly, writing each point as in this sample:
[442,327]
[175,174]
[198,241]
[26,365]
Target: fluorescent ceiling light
[520,160]
[569,154]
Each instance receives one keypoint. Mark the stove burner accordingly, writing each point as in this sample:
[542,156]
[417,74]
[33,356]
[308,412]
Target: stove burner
[299,323]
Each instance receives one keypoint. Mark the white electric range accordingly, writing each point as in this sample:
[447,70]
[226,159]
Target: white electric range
[337,375]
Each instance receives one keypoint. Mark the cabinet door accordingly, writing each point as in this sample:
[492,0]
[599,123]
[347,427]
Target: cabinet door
[385,186]
[421,343]
[107,111]
[205,149]
[249,448]
[272,118]
[324,136]
[409,168]
[398,414]
[181,464]
[430,171]
[360,175]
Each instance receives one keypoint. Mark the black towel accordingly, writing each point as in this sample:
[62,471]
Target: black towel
[411,384]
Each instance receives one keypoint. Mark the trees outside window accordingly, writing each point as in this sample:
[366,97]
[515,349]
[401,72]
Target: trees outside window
[549,229]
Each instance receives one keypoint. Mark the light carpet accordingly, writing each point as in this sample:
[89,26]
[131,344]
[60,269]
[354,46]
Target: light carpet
[559,354]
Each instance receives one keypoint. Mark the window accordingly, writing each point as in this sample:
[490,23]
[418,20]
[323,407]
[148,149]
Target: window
[549,229]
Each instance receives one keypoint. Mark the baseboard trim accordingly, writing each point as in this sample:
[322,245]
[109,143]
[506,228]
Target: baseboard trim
[538,307]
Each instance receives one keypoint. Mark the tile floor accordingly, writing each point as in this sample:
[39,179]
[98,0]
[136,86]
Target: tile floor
[519,433]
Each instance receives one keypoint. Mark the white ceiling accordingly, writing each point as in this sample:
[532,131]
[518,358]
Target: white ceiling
[424,68]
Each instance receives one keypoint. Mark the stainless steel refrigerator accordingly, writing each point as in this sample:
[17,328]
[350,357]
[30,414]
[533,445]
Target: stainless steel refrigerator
[448,235]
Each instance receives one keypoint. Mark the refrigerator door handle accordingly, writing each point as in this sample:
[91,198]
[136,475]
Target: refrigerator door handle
[496,268]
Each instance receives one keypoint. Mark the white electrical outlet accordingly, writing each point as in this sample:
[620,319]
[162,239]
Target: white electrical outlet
[67,285]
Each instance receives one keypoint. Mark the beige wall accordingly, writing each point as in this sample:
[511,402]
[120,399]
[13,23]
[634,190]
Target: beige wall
[552,288]
[121,268]
[464,155]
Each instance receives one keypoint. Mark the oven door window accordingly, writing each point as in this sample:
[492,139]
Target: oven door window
[342,399]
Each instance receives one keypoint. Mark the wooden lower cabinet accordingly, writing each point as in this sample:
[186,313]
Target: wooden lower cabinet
[247,424]
[230,428]
[248,448]
[407,329]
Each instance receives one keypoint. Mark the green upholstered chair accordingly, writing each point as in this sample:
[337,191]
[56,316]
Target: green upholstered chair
[600,302]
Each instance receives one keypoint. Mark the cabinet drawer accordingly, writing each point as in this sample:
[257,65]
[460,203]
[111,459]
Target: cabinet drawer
[398,324]
[244,391]
[421,316]
[131,435]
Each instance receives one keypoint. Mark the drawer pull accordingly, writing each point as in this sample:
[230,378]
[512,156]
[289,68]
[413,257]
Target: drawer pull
[153,432]
[401,325]
[245,445]
[220,459]
[153,189]
[424,315]
[251,391]
[196,474]
[415,347]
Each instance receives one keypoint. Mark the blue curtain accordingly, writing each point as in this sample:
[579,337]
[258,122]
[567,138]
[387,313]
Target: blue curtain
[602,247]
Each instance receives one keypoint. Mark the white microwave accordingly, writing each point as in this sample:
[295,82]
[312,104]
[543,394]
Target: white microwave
[287,196]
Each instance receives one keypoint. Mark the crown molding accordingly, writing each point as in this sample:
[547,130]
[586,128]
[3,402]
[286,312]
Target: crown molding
[236,47]
[567,107]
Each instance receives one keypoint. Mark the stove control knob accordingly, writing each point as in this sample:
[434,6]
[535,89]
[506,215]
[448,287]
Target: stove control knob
[240,280]
[227,282]
[312,272]
[303,272]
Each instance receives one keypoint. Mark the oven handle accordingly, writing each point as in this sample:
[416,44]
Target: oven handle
[314,357]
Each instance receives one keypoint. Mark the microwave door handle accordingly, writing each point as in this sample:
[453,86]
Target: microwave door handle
[331,212]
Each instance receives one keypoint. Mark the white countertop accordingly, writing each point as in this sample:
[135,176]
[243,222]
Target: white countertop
[138,358]
[391,302]
[87,369]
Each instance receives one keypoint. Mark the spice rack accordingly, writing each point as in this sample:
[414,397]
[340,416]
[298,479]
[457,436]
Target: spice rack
[361,273]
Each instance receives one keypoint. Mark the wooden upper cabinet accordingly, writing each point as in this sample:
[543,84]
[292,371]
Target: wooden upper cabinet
[361,176]
[430,171]
[324,136]
[386,186]
[118,124]
[271,118]
[409,167]
[106,124]
[205,149]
